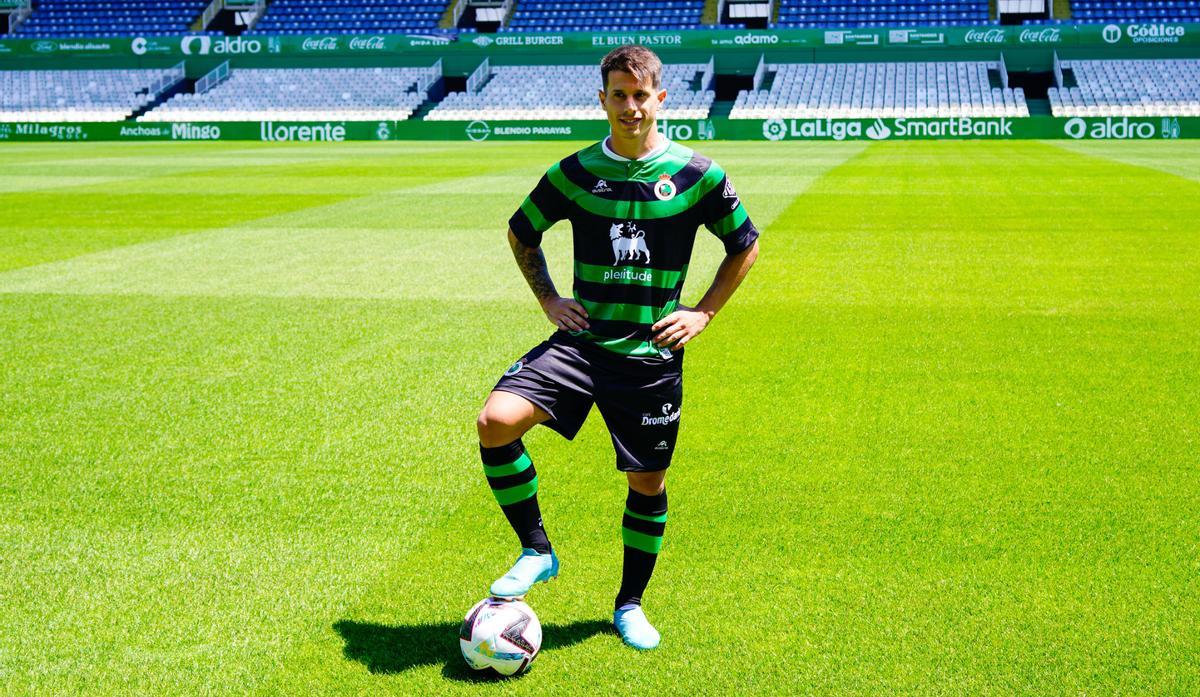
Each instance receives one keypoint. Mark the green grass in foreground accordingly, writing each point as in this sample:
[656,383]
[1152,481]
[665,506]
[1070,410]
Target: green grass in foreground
[943,441]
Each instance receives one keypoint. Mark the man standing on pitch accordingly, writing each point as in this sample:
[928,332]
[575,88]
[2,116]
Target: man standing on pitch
[635,201]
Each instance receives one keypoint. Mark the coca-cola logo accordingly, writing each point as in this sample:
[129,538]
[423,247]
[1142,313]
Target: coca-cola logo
[988,36]
[327,43]
[1048,35]
[367,43]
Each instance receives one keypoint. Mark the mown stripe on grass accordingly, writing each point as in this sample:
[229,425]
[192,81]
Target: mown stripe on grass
[1162,155]
[899,224]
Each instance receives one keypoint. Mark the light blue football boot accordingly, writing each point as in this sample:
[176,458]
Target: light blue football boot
[635,629]
[530,568]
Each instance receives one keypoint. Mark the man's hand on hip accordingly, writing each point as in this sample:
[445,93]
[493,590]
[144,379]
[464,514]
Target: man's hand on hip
[565,313]
[679,327]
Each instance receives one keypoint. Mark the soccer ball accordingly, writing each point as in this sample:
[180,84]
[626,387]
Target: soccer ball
[503,635]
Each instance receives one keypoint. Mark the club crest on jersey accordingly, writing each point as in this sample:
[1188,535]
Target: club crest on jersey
[601,187]
[628,243]
[664,188]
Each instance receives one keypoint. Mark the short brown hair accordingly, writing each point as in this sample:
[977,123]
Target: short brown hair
[638,61]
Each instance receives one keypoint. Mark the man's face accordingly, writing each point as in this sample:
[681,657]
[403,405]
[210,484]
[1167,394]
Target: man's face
[631,104]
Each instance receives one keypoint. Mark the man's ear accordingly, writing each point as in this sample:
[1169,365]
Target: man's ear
[662,96]
[602,98]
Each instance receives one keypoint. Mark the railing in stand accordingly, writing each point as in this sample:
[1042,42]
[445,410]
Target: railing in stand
[460,6]
[213,78]
[260,9]
[18,14]
[479,76]
[210,13]
[708,76]
[433,75]
[171,77]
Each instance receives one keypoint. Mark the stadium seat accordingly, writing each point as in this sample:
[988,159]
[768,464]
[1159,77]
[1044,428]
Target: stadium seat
[1103,11]
[606,15]
[871,90]
[305,94]
[554,92]
[806,14]
[65,18]
[1129,88]
[75,95]
[351,16]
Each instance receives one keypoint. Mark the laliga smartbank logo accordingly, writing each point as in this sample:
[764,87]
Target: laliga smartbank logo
[843,129]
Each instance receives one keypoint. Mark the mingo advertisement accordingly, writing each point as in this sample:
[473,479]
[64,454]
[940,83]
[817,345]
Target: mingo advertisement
[773,130]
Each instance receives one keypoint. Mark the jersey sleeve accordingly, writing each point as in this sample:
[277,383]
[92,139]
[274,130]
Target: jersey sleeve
[724,215]
[542,208]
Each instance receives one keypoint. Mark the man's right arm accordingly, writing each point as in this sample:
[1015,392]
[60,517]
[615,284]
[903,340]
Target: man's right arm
[564,313]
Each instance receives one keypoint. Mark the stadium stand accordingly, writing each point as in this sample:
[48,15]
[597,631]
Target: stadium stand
[606,15]
[1135,11]
[304,94]
[569,92]
[80,95]
[866,90]
[796,14]
[1129,88]
[67,18]
[350,16]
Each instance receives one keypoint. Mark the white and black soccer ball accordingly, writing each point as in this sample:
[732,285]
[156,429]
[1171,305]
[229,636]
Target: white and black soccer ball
[503,635]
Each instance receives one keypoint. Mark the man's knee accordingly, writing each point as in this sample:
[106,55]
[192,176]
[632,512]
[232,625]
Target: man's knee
[504,419]
[494,426]
[648,483]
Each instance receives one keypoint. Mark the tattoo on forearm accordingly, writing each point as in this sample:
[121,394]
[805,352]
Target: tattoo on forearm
[532,263]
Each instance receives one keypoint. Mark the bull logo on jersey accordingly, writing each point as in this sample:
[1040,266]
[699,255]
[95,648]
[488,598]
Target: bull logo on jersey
[628,243]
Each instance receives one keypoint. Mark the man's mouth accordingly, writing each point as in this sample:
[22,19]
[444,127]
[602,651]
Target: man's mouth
[631,120]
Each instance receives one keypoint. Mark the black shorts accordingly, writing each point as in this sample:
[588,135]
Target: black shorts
[640,402]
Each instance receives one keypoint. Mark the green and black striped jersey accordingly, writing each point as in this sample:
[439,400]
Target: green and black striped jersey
[634,223]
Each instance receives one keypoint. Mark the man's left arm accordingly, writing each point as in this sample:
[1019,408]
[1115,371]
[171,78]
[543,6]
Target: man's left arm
[682,325]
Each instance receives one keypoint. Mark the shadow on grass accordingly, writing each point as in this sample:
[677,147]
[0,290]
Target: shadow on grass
[387,649]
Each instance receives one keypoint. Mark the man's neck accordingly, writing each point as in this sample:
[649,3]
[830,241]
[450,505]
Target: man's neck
[636,149]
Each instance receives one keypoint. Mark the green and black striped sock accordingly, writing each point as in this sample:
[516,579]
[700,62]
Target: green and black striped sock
[513,479]
[642,530]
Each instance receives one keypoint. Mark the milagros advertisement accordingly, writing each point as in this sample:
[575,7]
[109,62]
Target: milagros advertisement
[479,131]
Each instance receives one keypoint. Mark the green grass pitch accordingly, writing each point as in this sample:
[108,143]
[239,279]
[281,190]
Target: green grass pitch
[944,440]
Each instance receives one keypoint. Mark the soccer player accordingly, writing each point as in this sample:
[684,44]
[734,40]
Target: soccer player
[635,201]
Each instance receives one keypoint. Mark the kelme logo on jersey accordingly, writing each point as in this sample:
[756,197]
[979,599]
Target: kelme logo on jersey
[730,194]
[669,416]
[628,243]
[664,189]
